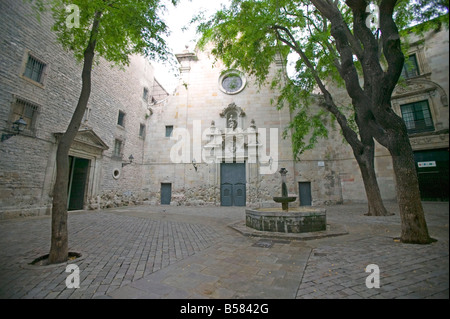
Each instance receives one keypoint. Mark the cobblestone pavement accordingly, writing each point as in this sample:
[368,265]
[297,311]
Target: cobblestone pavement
[190,252]
[118,249]
[338,271]
[336,267]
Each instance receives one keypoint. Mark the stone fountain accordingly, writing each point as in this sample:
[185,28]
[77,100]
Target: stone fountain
[284,199]
[303,219]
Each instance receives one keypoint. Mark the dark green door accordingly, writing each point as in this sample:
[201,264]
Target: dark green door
[166,193]
[432,172]
[239,194]
[79,168]
[233,184]
[226,194]
[304,189]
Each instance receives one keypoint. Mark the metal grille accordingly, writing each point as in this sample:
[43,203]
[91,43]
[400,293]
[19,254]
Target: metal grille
[25,110]
[263,243]
[34,69]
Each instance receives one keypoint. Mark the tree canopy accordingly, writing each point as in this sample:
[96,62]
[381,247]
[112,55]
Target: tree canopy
[250,35]
[126,27]
[355,44]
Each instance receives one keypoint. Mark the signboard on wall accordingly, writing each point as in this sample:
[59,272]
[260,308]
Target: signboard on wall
[426,164]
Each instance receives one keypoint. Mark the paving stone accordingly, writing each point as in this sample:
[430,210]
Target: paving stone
[190,252]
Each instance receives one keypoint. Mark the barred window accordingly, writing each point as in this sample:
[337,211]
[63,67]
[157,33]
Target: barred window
[26,110]
[417,117]
[34,69]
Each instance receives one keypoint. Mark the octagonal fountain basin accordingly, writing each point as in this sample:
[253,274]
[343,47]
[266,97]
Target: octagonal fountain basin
[297,220]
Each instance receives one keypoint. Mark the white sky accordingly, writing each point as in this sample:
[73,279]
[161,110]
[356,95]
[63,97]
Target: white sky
[177,18]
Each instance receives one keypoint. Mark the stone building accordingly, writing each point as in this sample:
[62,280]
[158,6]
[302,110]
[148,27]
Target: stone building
[423,103]
[217,140]
[40,83]
[209,94]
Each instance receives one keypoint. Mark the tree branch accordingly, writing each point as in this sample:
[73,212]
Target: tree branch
[391,45]
[324,44]
[292,43]
[348,70]
[328,102]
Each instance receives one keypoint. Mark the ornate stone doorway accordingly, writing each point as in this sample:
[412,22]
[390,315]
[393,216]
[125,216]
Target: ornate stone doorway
[85,156]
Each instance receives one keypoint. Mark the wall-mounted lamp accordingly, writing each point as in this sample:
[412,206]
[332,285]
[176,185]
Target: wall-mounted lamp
[194,163]
[18,126]
[131,158]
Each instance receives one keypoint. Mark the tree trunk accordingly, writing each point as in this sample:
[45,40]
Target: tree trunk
[60,239]
[365,156]
[364,152]
[374,101]
[374,200]
[414,227]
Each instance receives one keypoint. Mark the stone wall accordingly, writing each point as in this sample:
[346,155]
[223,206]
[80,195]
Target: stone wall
[27,162]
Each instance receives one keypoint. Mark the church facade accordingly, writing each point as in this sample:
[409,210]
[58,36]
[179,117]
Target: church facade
[214,107]
[216,140]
